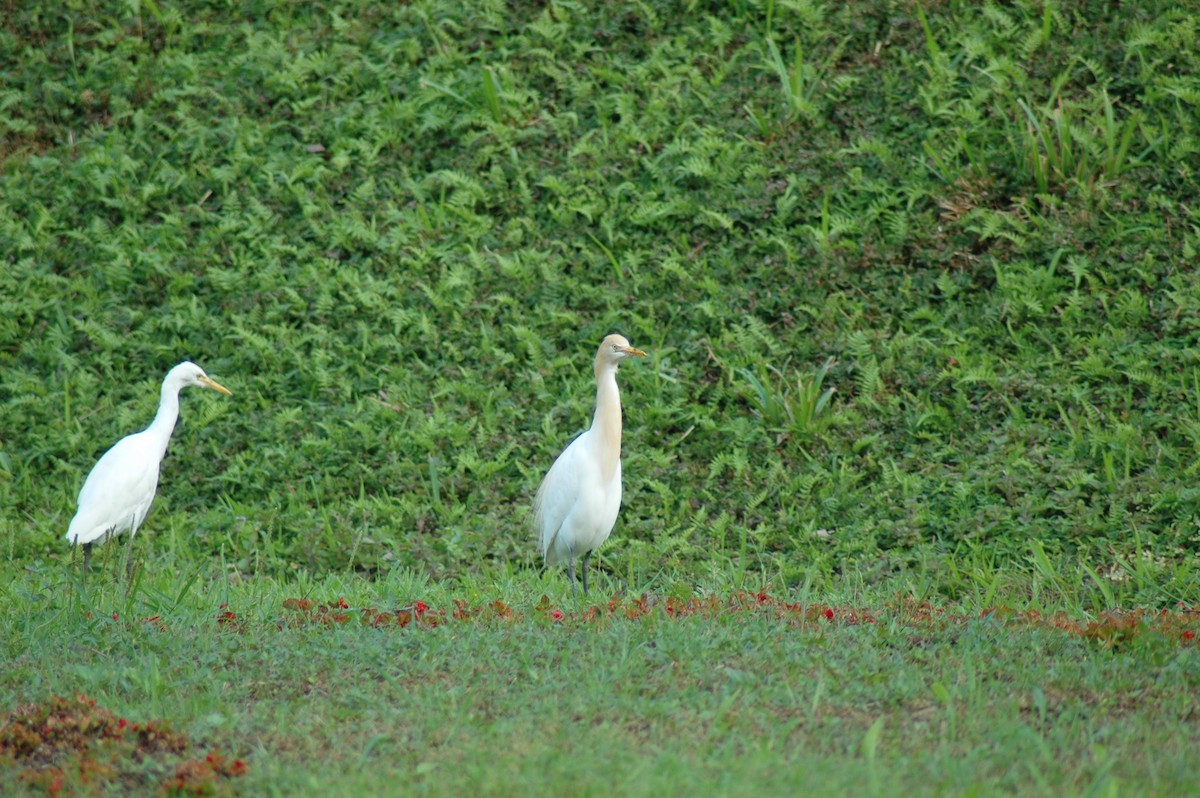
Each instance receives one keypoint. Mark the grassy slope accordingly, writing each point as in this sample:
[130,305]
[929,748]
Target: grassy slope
[408,316]
[397,231]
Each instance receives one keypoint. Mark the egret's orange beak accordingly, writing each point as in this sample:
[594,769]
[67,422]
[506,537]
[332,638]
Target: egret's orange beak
[208,382]
[629,350]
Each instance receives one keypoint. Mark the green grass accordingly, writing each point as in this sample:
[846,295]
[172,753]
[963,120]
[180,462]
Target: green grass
[706,703]
[916,283]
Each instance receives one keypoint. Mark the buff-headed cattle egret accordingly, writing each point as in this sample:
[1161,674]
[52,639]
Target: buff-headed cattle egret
[117,493]
[577,503]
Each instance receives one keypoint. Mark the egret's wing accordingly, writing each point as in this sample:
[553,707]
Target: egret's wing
[557,495]
[118,491]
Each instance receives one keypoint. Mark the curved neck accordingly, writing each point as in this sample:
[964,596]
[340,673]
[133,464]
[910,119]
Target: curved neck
[168,413]
[606,423]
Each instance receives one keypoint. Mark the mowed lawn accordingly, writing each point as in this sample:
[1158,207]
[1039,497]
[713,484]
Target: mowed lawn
[398,686]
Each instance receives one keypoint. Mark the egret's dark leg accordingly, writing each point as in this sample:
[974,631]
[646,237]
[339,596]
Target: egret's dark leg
[571,573]
[108,553]
[586,557]
[87,560]
[129,559]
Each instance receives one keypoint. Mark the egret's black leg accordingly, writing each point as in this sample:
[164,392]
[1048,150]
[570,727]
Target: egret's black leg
[586,557]
[129,560]
[87,560]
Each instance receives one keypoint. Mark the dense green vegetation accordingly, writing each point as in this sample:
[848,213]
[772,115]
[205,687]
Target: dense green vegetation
[397,231]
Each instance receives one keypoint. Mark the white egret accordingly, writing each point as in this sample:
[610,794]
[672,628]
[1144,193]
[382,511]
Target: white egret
[117,493]
[577,503]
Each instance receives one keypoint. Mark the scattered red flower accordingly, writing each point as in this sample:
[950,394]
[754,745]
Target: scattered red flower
[228,619]
[1112,628]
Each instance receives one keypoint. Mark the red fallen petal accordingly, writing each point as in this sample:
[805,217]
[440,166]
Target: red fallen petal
[342,603]
[829,614]
[1189,635]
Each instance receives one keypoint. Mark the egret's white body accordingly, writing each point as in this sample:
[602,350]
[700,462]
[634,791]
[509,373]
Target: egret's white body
[578,501]
[120,488]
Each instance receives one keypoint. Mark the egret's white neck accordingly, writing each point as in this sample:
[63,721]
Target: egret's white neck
[606,423]
[168,413]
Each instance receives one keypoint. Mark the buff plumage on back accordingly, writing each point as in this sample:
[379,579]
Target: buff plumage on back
[578,501]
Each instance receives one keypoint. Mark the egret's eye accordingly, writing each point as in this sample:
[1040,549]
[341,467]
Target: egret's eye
[614,347]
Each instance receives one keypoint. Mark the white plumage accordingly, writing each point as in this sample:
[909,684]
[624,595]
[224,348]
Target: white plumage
[117,494]
[578,501]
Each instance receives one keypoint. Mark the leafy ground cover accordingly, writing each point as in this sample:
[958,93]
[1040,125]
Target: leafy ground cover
[916,284]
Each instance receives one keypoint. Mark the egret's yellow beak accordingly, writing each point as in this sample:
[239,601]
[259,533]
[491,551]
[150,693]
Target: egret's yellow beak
[208,382]
[630,350]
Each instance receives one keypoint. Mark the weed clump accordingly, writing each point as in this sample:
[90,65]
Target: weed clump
[72,744]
